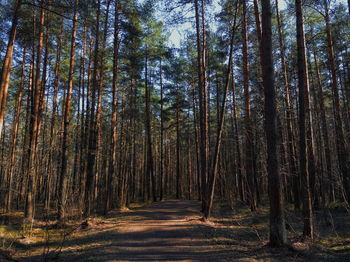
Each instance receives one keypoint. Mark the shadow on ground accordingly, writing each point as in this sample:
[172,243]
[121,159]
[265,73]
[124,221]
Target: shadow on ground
[172,231]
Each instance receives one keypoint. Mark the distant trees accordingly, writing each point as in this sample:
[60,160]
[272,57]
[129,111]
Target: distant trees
[342,151]
[100,110]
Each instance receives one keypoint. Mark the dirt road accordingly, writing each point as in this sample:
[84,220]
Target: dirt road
[165,231]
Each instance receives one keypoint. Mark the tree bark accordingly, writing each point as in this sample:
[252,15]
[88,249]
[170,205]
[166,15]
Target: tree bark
[91,155]
[289,116]
[149,165]
[303,108]
[29,211]
[203,113]
[178,171]
[100,174]
[214,171]
[6,67]
[114,124]
[324,130]
[249,144]
[161,171]
[277,222]
[14,136]
[66,120]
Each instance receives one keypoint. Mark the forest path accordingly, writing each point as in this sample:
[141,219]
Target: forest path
[172,231]
[163,231]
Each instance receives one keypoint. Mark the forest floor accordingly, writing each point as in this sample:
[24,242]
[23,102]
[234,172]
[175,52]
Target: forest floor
[173,231]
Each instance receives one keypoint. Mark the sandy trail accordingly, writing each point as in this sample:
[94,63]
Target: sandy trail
[165,231]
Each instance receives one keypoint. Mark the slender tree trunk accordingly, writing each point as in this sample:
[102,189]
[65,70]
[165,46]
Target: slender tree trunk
[303,108]
[13,144]
[87,132]
[249,143]
[214,171]
[100,176]
[33,129]
[203,114]
[197,135]
[289,116]
[24,158]
[84,116]
[258,29]
[52,139]
[6,67]
[65,142]
[324,131]
[277,222]
[91,155]
[114,123]
[240,182]
[161,132]
[149,165]
[189,170]
[178,171]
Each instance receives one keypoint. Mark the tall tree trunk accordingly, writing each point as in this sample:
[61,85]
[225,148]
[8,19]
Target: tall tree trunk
[25,145]
[203,114]
[214,171]
[258,29]
[52,140]
[240,182]
[65,142]
[114,124]
[197,135]
[14,135]
[91,154]
[90,100]
[178,163]
[100,176]
[303,84]
[249,143]
[277,222]
[150,176]
[289,115]
[6,67]
[324,130]
[161,171]
[29,211]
